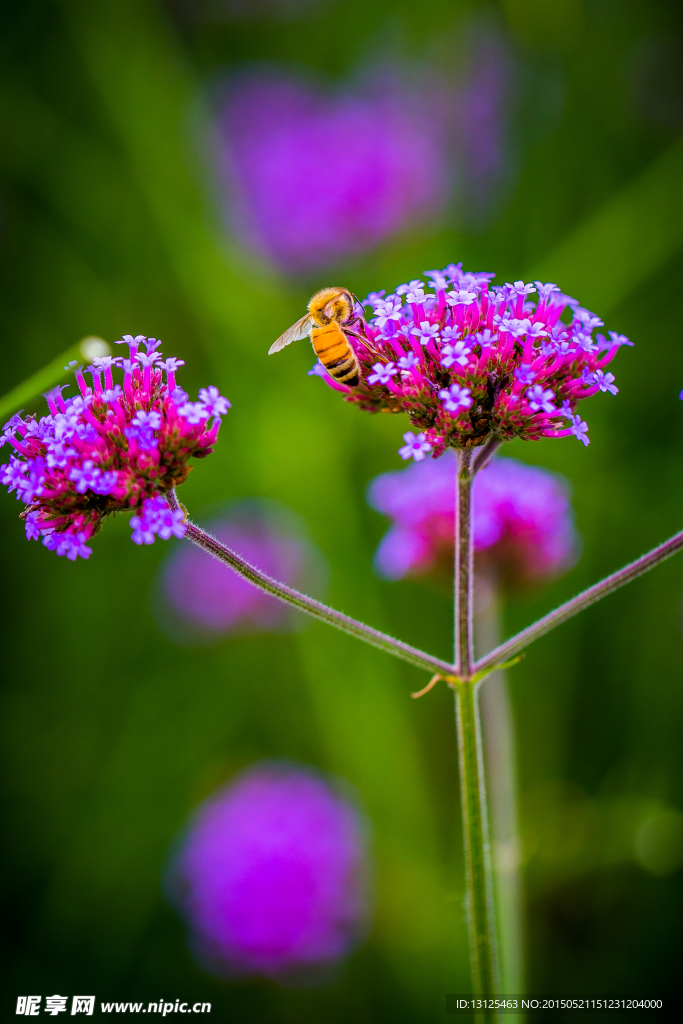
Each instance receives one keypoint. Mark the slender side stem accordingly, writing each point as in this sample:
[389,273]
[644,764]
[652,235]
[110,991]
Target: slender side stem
[464,574]
[50,375]
[308,604]
[480,911]
[577,604]
[486,453]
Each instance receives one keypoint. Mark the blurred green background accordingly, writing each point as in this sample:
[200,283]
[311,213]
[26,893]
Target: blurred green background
[111,735]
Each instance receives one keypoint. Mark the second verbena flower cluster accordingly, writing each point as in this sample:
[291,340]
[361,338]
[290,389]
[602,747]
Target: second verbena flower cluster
[111,448]
[466,360]
[522,521]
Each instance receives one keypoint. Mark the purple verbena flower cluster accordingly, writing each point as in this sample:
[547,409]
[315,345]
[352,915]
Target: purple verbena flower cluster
[466,360]
[271,875]
[110,448]
[521,520]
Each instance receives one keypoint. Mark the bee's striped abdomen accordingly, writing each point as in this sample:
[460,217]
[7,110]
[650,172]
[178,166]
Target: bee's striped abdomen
[335,353]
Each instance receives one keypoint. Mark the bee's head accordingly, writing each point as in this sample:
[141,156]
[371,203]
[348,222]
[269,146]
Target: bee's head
[331,304]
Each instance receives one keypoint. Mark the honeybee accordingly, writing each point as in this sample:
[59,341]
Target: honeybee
[327,311]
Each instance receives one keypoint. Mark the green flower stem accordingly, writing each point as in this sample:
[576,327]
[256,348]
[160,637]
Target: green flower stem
[577,604]
[464,574]
[50,375]
[308,604]
[478,877]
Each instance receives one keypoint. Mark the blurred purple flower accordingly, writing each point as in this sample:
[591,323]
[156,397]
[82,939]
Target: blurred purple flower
[201,599]
[310,177]
[317,177]
[271,875]
[523,527]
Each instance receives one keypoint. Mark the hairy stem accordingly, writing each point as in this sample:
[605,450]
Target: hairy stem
[308,604]
[464,575]
[484,454]
[478,878]
[480,913]
[599,590]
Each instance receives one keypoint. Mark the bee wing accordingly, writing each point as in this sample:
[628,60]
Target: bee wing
[301,329]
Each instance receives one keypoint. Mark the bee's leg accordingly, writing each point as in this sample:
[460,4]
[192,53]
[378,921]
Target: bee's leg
[365,341]
[358,321]
[361,337]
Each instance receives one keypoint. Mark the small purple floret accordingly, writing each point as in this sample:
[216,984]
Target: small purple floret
[524,374]
[579,429]
[194,412]
[214,403]
[408,362]
[425,332]
[605,382]
[415,447]
[456,355]
[540,400]
[157,518]
[455,399]
[382,373]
